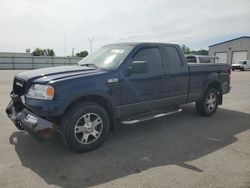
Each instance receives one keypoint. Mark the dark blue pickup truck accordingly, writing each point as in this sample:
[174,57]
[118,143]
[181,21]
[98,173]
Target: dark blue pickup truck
[126,82]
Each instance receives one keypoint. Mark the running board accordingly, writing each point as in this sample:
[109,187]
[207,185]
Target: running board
[146,118]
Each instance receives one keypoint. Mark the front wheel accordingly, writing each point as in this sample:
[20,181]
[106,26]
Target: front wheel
[208,105]
[84,126]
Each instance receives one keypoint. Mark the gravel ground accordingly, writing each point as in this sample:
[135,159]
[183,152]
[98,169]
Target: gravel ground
[182,150]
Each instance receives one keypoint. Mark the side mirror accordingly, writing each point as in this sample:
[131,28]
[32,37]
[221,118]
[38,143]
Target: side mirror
[138,67]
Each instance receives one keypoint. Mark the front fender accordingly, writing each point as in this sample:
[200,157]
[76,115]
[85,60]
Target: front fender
[83,94]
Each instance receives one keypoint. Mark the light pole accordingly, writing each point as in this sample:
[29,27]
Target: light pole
[91,40]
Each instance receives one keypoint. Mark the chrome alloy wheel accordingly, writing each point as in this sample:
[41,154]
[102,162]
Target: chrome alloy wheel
[88,128]
[211,102]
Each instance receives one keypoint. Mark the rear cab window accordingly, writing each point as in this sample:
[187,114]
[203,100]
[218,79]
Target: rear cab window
[173,56]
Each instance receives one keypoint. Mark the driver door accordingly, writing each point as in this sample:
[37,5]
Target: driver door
[142,91]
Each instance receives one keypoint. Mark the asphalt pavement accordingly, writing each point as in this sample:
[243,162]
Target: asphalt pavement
[181,150]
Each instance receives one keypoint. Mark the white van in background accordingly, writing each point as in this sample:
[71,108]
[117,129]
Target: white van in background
[241,65]
[200,59]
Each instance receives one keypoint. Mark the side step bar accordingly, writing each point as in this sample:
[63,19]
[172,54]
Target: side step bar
[149,117]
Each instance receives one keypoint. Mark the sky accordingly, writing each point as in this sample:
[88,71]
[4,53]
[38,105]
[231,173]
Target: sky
[66,24]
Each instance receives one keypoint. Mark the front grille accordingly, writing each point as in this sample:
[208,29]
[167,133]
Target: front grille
[19,87]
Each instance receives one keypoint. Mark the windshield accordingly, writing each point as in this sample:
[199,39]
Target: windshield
[107,57]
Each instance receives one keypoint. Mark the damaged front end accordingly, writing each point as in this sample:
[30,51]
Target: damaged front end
[24,119]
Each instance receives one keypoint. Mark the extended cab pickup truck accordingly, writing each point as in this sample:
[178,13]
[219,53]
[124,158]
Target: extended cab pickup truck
[126,82]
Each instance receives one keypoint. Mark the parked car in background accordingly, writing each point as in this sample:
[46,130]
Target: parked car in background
[242,65]
[200,59]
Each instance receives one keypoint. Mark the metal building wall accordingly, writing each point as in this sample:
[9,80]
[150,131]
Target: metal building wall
[241,44]
[34,62]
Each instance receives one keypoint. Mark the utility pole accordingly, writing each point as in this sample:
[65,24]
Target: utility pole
[65,43]
[73,52]
[91,40]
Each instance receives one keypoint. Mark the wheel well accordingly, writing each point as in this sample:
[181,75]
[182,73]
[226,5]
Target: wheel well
[216,85]
[99,100]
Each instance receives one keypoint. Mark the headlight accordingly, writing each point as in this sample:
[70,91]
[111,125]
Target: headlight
[38,91]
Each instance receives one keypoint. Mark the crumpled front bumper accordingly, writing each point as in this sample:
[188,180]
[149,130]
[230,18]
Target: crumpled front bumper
[23,119]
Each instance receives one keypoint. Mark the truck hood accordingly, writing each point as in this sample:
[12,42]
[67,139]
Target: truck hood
[54,73]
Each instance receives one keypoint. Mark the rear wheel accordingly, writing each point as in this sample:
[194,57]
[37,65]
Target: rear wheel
[84,126]
[208,105]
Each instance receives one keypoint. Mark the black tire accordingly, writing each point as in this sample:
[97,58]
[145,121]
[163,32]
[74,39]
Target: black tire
[76,114]
[242,69]
[205,109]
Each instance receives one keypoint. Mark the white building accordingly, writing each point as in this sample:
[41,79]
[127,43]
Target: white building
[231,51]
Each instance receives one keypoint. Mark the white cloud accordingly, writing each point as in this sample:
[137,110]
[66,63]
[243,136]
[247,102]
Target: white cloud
[30,24]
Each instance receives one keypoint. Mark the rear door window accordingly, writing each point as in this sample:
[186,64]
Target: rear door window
[174,56]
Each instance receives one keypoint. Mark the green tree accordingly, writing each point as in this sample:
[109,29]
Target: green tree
[38,52]
[43,52]
[185,49]
[49,52]
[82,54]
[202,52]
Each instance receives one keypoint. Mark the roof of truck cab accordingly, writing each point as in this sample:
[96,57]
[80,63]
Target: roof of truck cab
[142,43]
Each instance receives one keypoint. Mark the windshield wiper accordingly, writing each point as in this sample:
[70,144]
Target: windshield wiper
[89,65]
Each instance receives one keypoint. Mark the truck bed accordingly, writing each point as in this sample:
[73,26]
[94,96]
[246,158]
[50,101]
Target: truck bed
[199,74]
